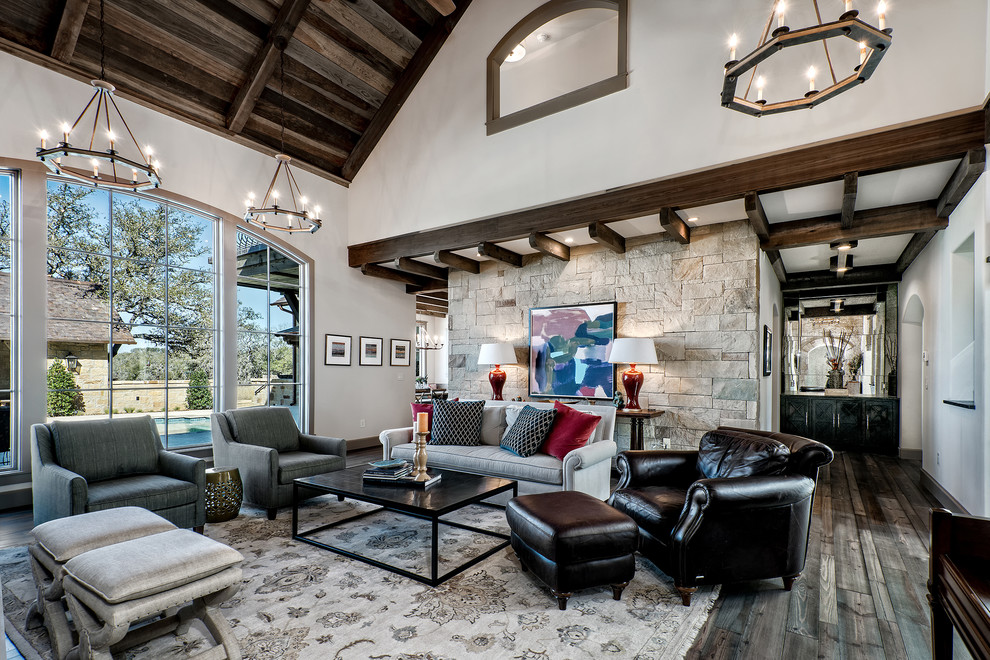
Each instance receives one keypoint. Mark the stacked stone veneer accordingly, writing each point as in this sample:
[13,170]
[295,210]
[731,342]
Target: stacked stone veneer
[700,301]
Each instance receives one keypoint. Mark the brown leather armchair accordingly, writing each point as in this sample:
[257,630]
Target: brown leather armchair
[738,508]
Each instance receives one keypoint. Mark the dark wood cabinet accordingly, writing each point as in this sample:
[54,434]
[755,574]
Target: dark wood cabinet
[853,423]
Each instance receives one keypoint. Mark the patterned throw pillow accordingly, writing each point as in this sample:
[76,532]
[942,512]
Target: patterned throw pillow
[530,430]
[457,423]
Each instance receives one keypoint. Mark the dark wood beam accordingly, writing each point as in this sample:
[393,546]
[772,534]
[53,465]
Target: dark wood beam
[439,297]
[872,223]
[499,253]
[431,286]
[445,7]
[757,216]
[550,247]
[427,312]
[605,235]
[777,264]
[374,270]
[419,268]
[265,61]
[823,279]
[927,141]
[424,307]
[676,228]
[968,171]
[69,26]
[417,66]
[448,258]
[848,310]
[850,183]
[913,249]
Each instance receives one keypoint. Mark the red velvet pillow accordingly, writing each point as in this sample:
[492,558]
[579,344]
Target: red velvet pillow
[423,407]
[571,429]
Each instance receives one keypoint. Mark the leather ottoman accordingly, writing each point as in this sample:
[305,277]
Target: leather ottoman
[571,541]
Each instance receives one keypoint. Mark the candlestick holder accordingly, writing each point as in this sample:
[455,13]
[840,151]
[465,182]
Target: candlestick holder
[419,458]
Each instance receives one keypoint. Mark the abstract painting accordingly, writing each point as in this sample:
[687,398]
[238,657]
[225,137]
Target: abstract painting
[568,351]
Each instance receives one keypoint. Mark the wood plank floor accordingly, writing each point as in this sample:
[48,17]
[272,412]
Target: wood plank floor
[862,594]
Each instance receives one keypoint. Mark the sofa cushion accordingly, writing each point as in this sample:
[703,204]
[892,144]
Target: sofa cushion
[656,509]
[272,427]
[571,430]
[493,425]
[98,449]
[154,492]
[457,423]
[740,454]
[526,436]
[490,461]
[296,464]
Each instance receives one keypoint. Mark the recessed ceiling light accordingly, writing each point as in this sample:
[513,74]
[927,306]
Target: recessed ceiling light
[516,54]
[692,220]
[833,264]
[843,245]
[569,240]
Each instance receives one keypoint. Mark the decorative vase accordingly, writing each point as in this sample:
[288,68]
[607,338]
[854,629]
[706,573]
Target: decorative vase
[892,383]
[419,458]
[834,381]
[854,387]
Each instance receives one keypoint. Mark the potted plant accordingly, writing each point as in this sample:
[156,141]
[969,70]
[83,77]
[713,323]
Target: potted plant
[852,368]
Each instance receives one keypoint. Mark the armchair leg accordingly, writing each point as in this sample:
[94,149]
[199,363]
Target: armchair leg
[686,594]
[340,498]
[561,598]
[617,590]
[272,513]
[199,529]
[789,581]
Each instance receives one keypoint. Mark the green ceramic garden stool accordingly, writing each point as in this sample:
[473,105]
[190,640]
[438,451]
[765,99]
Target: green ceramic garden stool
[223,494]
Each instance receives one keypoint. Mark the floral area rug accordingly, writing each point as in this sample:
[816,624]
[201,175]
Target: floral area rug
[299,602]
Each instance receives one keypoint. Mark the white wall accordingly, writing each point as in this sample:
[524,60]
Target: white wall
[771,312]
[217,172]
[954,440]
[435,166]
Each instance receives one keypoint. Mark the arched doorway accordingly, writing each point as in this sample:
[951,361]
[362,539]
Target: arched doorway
[912,369]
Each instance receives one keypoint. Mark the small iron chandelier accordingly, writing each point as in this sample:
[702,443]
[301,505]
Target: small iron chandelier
[299,216]
[70,161]
[873,44]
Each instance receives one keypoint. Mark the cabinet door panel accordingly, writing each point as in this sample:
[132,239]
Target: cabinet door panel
[849,425]
[823,421]
[794,415]
[882,426]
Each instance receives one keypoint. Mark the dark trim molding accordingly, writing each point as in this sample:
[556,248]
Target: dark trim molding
[969,405]
[943,496]
[910,454]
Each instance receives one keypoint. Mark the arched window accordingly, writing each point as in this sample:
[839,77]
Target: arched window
[563,54]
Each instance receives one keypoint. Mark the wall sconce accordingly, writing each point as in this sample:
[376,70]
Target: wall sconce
[72,363]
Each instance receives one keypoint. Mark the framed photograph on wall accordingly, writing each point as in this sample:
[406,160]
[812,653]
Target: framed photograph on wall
[338,350]
[399,355]
[767,351]
[568,351]
[370,351]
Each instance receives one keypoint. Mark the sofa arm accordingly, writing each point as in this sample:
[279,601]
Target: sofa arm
[259,472]
[588,469]
[182,467]
[319,444]
[750,492]
[654,467]
[392,437]
[57,493]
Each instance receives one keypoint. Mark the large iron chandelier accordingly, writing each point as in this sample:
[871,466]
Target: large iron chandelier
[873,44]
[295,214]
[133,171]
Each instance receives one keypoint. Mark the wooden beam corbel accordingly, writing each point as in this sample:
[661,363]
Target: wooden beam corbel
[69,26]
[777,264]
[674,226]
[289,15]
[374,270]
[913,249]
[605,235]
[850,184]
[757,216]
[419,268]
[445,7]
[550,247]
[499,253]
[963,178]
[448,258]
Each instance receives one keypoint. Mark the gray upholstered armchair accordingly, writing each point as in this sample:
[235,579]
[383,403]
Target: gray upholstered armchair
[265,445]
[87,465]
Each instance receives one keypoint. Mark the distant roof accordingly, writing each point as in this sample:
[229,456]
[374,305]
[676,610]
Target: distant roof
[79,301]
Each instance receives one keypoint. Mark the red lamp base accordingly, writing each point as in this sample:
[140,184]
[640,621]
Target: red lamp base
[632,381]
[497,378]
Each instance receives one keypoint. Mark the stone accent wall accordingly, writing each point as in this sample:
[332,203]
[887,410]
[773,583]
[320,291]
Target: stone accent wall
[700,301]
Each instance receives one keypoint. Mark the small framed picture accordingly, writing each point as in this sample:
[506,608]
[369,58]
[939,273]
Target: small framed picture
[371,351]
[401,348]
[338,350]
[767,351]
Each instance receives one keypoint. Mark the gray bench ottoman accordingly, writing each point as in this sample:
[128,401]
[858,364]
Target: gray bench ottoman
[110,588]
[58,541]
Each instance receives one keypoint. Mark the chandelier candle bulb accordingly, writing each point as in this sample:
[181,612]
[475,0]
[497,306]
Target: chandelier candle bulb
[66,129]
[44,136]
[882,11]
[733,42]
[780,14]
[862,52]
[96,168]
[760,84]
[849,5]
[811,79]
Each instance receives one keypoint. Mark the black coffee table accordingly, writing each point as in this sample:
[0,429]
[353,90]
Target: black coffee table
[454,491]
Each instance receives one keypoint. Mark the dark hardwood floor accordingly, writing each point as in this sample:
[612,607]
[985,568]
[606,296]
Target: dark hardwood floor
[862,594]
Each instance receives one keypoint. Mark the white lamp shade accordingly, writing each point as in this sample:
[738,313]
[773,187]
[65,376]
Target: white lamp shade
[633,350]
[497,354]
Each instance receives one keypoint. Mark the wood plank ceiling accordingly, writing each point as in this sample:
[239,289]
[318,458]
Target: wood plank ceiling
[349,64]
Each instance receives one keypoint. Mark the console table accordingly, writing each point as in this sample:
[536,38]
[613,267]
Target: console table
[847,423]
[637,418]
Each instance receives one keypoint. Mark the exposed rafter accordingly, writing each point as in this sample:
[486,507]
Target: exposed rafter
[374,270]
[499,253]
[676,228]
[69,27]
[963,178]
[850,183]
[448,258]
[550,247]
[848,310]
[823,279]
[605,235]
[264,62]
[419,268]
[757,215]
[445,7]
[913,249]
[777,264]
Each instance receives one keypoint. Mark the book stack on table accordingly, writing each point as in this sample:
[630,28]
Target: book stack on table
[395,471]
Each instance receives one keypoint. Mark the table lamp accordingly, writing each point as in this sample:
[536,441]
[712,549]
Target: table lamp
[497,354]
[633,351]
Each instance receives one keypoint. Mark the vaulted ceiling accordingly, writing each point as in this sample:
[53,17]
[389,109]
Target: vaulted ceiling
[348,66]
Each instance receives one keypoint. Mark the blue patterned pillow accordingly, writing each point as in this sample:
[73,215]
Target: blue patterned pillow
[526,436]
[457,423]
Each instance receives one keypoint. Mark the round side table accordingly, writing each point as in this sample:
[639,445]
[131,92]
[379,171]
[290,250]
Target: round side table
[223,494]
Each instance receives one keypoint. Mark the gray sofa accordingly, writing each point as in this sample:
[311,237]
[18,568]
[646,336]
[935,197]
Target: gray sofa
[78,466]
[586,469]
[265,445]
